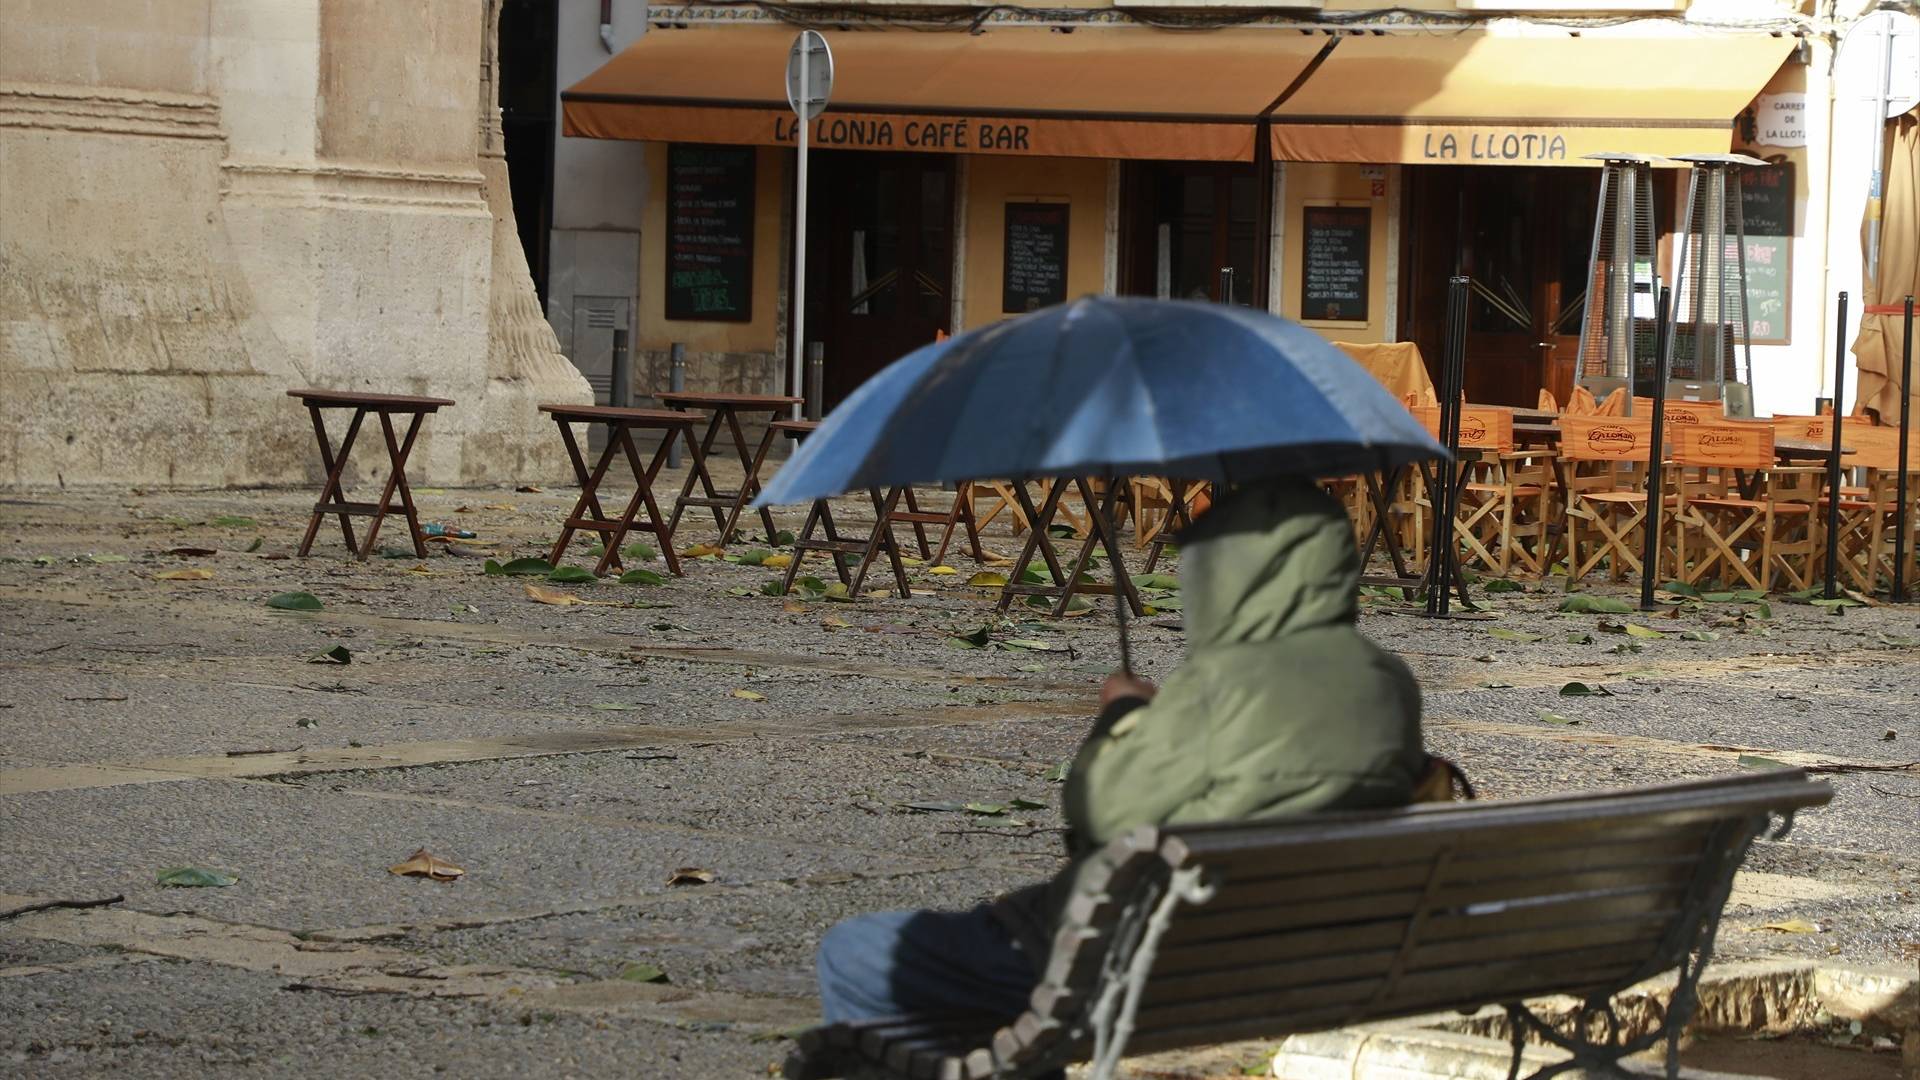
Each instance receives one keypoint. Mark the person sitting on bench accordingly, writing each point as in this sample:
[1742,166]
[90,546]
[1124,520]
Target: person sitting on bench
[1283,707]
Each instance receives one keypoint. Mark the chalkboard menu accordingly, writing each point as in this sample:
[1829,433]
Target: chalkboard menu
[1766,203]
[1035,275]
[1333,281]
[710,233]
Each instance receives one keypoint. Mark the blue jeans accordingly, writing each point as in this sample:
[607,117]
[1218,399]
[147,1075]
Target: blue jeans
[891,963]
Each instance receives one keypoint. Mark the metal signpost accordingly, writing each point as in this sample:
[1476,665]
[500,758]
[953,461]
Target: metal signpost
[809,83]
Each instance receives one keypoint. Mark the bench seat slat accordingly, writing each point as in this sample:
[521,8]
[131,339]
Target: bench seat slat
[1203,925]
[1632,938]
[1470,864]
[1464,985]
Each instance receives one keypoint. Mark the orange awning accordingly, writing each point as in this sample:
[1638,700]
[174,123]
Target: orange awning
[1096,92]
[1475,99]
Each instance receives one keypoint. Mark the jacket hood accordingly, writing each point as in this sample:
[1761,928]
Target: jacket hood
[1267,560]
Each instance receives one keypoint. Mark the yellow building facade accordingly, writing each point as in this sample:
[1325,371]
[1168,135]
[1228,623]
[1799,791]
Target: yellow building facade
[1332,164]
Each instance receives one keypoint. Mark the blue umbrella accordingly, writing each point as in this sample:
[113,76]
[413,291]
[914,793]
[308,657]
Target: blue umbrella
[1110,386]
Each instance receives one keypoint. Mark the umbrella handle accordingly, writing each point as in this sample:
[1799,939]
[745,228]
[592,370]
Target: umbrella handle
[1119,595]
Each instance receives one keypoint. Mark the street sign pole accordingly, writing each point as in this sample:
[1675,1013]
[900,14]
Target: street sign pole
[809,82]
[799,292]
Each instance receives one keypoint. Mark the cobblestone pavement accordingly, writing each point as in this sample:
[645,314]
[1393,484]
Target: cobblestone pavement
[572,757]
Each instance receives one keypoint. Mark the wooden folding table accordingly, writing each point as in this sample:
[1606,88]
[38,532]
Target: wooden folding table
[1099,534]
[586,515]
[333,499]
[726,410]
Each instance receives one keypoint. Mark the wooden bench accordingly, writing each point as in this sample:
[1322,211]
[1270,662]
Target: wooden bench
[1196,935]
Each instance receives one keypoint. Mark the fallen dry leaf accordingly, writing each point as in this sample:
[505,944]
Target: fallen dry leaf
[835,622]
[530,489]
[420,568]
[1792,926]
[777,562]
[749,695]
[690,875]
[943,571]
[498,506]
[427,865]
[551,596]
[794,607]
[190,552]
[699,551]
[196,574]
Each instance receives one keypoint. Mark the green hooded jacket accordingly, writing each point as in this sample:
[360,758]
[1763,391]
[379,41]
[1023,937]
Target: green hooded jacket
[1282,707]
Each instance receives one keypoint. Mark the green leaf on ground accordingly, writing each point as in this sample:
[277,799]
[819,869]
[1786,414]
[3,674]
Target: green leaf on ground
[638,552]
[1718,597]
[934,807]
[772,588]
[1580,689]
[641,576]
[987,809]
[1030,643]
[233,521]
[1755,761]
[783,538]
[1648,632]
[1698,635]
[571,575]
[987,579]
[810,587]
[1058,774]
[1156,581]
[106,558]
[294,601]
[616,706]
[527,568]
[643,973]
[255,546]
[1580,638]
[838,593]
[1025,804]
[194,877]
[1556,718]
[1761,610]
[336,655]
[976,639]
[1506,634]
[754,556]
[1502,585]
[1681,588]
[1589,604]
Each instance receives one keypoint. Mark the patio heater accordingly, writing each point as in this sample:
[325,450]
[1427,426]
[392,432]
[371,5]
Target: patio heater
[1616,324]
[1711,312]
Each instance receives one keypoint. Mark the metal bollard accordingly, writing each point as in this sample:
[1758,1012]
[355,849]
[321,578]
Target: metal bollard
[676,382]
[620,384]
[816,376]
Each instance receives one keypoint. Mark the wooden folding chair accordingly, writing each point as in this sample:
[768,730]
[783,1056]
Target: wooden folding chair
[1581,402]
[1547,402]
[1870,510]
[1504,518]
[1614,404]
[1607,461]
[1738,515]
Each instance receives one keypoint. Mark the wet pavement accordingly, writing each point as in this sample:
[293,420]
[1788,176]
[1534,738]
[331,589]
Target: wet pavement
[573,757]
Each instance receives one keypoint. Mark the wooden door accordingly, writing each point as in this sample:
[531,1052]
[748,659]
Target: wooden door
[1191,231]
[880,260]
[1522,235]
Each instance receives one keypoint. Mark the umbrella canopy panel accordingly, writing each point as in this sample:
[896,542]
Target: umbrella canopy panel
[1111,386]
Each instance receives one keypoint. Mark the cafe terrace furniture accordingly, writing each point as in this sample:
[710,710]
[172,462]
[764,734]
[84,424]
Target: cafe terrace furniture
[819,532]
[726,410]
[586,515]
[1067,582]
[1740,516]
[333,499]
[1606,459]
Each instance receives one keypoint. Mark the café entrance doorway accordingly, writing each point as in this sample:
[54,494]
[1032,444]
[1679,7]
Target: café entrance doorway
[1524,235]
[1190,231]
[879,260]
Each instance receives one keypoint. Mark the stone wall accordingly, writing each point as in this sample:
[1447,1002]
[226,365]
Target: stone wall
[204,203]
